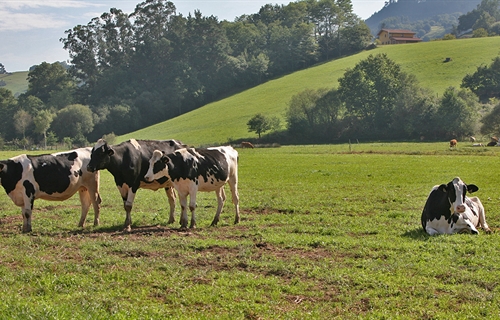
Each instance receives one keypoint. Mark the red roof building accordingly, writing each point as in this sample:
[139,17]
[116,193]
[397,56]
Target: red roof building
[397,36]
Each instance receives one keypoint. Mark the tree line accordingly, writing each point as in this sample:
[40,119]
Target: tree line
[128,71]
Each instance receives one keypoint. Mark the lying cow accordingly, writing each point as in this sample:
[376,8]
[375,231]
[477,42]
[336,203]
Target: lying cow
[192,170]
[128,162]
[449,210]
[54,177]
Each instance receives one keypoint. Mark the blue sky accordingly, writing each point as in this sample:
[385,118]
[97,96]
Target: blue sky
[30,29]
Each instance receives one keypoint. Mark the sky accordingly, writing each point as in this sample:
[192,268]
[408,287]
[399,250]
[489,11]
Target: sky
[30,30]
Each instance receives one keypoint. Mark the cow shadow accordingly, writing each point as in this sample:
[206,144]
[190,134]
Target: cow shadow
[416,234]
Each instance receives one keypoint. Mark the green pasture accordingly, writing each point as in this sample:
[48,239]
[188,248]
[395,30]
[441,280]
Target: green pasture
[225,120]
[327,231]
[16,81]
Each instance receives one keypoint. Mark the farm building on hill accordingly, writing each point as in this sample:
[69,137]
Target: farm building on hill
[397,36]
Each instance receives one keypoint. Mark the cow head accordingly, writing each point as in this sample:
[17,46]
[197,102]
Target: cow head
[99,158]
[158,166]
[456,191]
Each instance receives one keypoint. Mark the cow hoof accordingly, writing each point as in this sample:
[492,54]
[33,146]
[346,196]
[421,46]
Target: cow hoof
[488,231]
[236,221]
[170,221]
[127,229]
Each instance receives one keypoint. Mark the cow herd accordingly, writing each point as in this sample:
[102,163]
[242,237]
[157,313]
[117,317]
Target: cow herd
[173,166]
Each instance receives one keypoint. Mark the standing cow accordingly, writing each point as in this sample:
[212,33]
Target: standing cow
[195,169]
[128,162]
[54,177]
[449,210]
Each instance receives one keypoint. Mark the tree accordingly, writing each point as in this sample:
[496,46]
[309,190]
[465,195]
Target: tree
[2,69]
[42,121]
[46,79]
[260,124]
[485,82]
[457,113]
[73,120]
[8,107]
[22,120]
[370,92]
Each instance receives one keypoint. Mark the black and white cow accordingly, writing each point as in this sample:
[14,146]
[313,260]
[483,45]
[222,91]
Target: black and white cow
[449,210]
[54,177]
[195,169]
[128,162]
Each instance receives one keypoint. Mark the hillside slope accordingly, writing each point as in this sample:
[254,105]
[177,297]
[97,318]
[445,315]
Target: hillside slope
[419,10]
[218,122]
[15,82]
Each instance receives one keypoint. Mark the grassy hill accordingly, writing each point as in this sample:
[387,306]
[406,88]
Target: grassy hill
[15,82]
[226,119]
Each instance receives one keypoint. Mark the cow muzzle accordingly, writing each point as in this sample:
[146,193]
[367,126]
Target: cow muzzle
[90,169]
[460,208]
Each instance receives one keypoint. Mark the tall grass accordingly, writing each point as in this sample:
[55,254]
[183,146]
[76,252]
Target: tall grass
[225,120]
[325,233]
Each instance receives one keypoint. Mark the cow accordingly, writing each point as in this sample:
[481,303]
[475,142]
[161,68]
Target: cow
[453,143]
[246,144]
[128,163]
[449,210]
[54,177]
[196,169]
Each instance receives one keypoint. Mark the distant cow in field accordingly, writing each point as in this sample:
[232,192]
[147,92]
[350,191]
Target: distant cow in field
[472,139]
[54,177]
[194,169]
[448,210]
[128,162]
[453,143]
[246,144]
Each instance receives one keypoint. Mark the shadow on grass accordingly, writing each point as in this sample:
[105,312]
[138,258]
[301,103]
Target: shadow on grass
[416,234]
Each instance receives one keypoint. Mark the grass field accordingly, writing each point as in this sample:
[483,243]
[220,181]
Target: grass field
[225,120]
[327,231]
[15,82]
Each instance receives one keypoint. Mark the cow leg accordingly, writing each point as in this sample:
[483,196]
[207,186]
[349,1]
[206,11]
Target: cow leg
[128,201]
[184,216]
[95,198]
[482,216]
[192,207]
[221,198]
[233,185]
[171,201]
[85,203]
[27,220]
[29,200]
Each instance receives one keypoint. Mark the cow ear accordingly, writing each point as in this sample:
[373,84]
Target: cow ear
[472,188]
[1,166]
[442,188]
[164,158]
[111,152]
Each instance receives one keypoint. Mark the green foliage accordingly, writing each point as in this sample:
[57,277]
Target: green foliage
[491,122]
[479,33]
[260,124]
[485,82]
[449,36]
[458,113]
[46,80]
[370,92]
[73,121]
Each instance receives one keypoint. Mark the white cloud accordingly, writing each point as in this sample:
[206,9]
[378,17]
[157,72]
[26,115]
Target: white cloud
[23,4]
[10,21]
